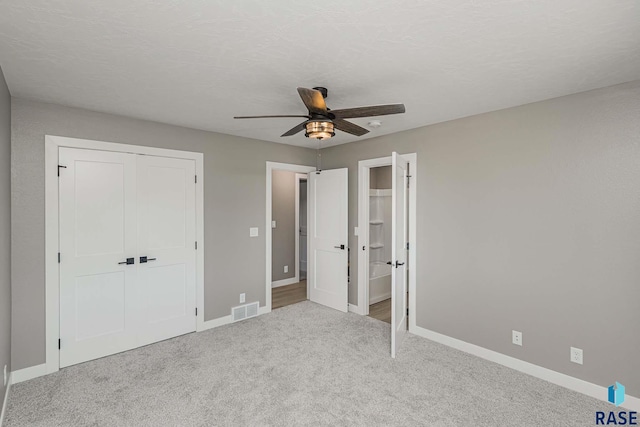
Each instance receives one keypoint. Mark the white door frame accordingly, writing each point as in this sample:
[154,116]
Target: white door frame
[364,167]
[271,166]
[52,244]
[299,177]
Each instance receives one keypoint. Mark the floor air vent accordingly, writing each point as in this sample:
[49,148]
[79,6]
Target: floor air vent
[244,311]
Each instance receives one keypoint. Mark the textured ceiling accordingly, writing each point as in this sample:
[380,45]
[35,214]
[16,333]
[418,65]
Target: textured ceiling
[199,63]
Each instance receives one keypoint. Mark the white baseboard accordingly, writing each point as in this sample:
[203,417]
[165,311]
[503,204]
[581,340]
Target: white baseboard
[221,321]
[379,298]
[563,380]
[284,282]
[30,373]
[353,308]
[6,399]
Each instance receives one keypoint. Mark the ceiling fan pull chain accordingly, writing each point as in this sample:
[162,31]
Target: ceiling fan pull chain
[318,159]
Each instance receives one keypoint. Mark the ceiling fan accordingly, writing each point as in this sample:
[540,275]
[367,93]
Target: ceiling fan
[321,121]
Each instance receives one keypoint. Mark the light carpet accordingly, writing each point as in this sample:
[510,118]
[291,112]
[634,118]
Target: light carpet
[299,365]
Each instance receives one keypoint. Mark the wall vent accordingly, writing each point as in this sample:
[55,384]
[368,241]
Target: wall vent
[246,311]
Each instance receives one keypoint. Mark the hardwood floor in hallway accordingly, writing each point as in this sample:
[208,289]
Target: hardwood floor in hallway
[290,294]
[381,310]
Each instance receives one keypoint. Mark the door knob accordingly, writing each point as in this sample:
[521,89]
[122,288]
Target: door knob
[339,247]
[398,264]
[389,263]
[144,259]
[129,261]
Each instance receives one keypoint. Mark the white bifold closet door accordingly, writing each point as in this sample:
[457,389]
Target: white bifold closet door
[127,254]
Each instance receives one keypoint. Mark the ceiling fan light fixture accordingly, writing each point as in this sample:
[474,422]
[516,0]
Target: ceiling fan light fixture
[319,129]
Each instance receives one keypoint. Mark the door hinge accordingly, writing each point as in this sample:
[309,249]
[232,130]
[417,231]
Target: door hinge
[196,245]
[407,245]
[59,343]
[60,166]
[196,311]
[407,311]
[196,179]
[58,257]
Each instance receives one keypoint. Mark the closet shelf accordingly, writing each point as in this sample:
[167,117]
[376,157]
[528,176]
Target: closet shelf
[376,222]
[376,245]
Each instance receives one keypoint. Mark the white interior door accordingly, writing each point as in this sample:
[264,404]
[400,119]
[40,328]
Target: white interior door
[398,252]
[98,289]
[166,247]
[327,232]
[128,255]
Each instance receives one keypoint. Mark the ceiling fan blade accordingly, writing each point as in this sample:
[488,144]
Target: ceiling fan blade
[313,99]
[349,127]
[294,130]
[374,110]
[268,117]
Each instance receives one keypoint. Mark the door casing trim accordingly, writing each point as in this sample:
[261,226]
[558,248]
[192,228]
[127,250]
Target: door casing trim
[52,244]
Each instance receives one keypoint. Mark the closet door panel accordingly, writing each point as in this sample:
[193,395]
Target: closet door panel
[166,237]
[98,290]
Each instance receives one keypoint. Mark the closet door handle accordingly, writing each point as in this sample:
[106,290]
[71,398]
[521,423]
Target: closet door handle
[129,261]
[398,264]
[389,263]
[339,247]
[144,259]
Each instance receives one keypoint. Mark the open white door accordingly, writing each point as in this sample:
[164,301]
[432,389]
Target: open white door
[327,232]
[398,252]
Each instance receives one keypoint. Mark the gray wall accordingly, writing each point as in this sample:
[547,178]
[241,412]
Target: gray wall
[528,219]
[283,211]
[234,187]
[380,178]
[5,227]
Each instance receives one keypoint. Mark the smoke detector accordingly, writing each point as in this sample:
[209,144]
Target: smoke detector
[375,124]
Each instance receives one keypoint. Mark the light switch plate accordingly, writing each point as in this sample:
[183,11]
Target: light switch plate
[253,232]
[242,298]
[355,231]
[273,224]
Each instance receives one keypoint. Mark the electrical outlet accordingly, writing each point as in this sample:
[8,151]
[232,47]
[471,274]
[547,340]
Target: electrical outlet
[242,298]
[576,355]
[286,268]
[5,375]
[253,232]
[516,338]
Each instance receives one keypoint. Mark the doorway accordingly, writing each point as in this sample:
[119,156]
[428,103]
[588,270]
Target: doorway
[376,265]
[326,240]
[286,250]
[380,243]
[288,237]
